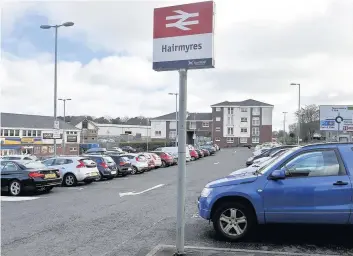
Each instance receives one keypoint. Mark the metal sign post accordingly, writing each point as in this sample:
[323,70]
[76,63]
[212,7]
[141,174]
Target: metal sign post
[183,40]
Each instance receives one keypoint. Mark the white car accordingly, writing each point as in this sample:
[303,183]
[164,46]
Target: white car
[138,162]
[74,169]
[156,159]
[174,152]
[22,159]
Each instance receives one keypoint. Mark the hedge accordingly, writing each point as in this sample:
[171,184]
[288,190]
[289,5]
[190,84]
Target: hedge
[152,145]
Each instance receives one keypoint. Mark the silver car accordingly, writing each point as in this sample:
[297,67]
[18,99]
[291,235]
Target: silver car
[138,162]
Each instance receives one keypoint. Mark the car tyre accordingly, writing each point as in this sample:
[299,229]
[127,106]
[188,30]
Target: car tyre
[192,158]
[233,221]
[48,189]
[164,164]
[70,180]
[15,188]
[134,170]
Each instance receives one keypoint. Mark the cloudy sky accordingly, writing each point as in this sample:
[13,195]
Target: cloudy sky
[105,58]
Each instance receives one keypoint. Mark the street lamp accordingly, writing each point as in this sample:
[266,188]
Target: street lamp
[298,128]
[63,140]
[176,116]
[65,24]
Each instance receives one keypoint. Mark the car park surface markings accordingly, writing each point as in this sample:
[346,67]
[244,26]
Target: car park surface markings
[216,163]
[133,193]
[18,198]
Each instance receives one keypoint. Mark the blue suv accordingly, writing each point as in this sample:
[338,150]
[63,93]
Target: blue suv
[310,185]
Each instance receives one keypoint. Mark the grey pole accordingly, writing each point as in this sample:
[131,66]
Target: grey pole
[176,119]
[55,79]
[284,128]
[63,139]
[298,116]
[181,162]
[147,133]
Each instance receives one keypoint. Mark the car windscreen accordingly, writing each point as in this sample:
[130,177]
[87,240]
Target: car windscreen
[36,165]
[108,160]
[11,158]
[274,161]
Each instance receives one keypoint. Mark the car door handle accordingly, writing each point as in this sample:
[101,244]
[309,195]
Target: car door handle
[340,183]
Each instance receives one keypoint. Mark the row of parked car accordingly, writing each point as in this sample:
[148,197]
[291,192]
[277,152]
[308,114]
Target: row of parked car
[19,173]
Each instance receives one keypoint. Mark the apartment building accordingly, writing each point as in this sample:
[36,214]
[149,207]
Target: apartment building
[198,125]
[229,124]
[243,122]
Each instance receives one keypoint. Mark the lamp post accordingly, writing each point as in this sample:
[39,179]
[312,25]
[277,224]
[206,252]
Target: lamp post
[298,128]
[65,24]
[176,116]
[63,140]
[284,127]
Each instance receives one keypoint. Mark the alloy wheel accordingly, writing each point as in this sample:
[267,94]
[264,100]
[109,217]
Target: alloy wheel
[69,180]
[15,188]
[233,222]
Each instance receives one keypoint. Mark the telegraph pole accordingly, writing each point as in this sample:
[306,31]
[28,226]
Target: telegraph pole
[284,127]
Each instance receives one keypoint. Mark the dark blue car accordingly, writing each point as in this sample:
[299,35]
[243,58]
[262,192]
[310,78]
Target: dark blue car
[310,185]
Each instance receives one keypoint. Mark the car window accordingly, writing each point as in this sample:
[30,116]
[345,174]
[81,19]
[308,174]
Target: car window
[313,164]
[11,158]
[27,158]
[142,157]
[10,167]
[48,162]
[108,159]
[35,164]
[60,161]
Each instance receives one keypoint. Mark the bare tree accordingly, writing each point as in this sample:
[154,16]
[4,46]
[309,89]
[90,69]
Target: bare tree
[309,117]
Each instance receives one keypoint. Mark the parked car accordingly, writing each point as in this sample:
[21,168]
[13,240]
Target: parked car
[20,158]
[156,159]
[217,147]
[150,161]
[106,166]
[123,164]
[266,153]
[310,184]
[200,153]
[17,177]
[174,152]
[205,152]
[274,154]
[166,158]
[194,155]
[96,151]
[128,149]
[211,149]
[138,161]
[74,169]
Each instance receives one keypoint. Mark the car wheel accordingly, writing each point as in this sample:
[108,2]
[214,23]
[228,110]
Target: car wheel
[15,188]
[134,170]
[233,221]
[192,158]
[164,164]
[70,180]
[88,181]
[48,189]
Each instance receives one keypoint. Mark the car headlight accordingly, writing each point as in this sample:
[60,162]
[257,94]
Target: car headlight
[250,159]
[206,192]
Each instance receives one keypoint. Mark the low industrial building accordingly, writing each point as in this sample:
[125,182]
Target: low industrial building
[33,134]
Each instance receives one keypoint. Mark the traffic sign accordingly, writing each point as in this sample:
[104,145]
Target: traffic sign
[56,134]
[56,125]
[183,37]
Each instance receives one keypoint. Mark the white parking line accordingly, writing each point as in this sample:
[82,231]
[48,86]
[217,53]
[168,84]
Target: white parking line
[216,163]
[17,198]
[76,188]
[133,193]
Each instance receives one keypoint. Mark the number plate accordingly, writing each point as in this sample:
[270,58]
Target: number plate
[94,174]
[50,176]
[113,172]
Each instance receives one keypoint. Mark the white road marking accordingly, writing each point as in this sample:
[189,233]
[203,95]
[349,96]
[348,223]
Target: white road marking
[17,198]
[133,193]
[196,215]
[216,163]
[76,188]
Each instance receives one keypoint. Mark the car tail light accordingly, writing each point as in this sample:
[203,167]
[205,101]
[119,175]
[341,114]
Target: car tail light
[104,165]
[35,175]
[137,159]
[81,165]
[122,163]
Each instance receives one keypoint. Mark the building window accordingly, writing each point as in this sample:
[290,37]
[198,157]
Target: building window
[244,119]
[193,125]
[243,130]
[67,132]
[73,149]
[243,110]
[218,109]
[75,133]
[218,119]
[158,133]
[255,131]
[243,140]
[51,149]
[6,132]
[29,133]
[11,133]
[230,140]
[205,124]
[230,111]
[172,134]
[255,139]
[230,120]
[230,131]
[172,125]
[256,111]
[218,129]
[256,121]
[84,124]
[218,139]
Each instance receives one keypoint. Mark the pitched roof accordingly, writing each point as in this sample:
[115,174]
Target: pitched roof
[12,120]
[248,102]
[191,116]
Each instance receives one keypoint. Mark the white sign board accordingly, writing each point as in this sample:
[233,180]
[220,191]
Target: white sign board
[56,125]
[56,134]
[336,118]
[183,36]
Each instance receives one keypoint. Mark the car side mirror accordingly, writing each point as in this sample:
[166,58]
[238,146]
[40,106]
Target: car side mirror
[278,175]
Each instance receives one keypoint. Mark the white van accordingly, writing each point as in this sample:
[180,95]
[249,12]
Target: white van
[174,152]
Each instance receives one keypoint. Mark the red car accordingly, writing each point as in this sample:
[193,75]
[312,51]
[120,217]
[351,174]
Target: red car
[194,155]
[167,159]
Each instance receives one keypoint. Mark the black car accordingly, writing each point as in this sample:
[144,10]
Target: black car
[129,149]
[35,176]
[267,153]
[210,149]
[106,166]
[123,164]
